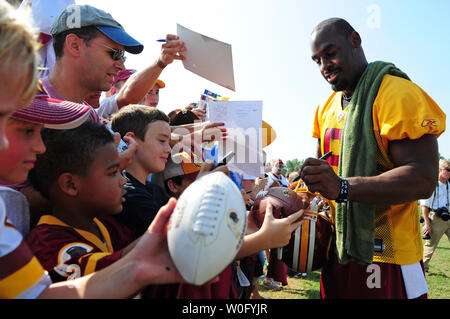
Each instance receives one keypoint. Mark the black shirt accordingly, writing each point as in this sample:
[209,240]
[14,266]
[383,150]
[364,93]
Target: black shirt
[142,204]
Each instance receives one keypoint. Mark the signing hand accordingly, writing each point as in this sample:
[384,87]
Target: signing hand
[320,177]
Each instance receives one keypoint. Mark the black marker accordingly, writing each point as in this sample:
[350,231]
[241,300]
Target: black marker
[326,156]
[225,160]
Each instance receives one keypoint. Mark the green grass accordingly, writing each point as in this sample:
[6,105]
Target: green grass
[439,278]
[309,288]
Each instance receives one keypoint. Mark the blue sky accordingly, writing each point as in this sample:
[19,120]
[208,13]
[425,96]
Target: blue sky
[271,53]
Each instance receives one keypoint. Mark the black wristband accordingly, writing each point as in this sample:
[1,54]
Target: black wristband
[343,192]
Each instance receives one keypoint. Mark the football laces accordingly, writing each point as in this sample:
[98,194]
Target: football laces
[207,218]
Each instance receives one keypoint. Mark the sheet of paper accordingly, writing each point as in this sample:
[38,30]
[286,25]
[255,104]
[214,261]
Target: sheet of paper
[243,120]
[207,57]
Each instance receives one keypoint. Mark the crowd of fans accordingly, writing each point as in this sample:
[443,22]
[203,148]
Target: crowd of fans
[90,177]
[82,202]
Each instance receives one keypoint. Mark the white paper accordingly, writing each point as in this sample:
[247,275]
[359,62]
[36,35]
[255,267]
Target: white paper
[207,57]
[243,121]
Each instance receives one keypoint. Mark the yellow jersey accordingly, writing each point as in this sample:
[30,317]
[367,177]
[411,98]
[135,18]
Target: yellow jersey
[401,110]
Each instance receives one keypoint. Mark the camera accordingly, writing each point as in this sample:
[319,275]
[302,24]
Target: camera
[427,236]
[443,213]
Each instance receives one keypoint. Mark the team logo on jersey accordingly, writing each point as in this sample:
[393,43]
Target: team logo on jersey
[68,252]
[73,250]
[429,123]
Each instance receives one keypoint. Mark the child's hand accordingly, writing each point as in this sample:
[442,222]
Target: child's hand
[154,264]
[278,232]
[126,156]
[208,167]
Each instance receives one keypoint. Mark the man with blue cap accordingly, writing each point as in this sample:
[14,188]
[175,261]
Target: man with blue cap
[90,48]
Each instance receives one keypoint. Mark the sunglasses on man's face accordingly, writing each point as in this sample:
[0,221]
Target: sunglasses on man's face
[116,54]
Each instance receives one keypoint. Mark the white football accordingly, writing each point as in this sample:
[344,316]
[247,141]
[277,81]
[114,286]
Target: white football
[207,227]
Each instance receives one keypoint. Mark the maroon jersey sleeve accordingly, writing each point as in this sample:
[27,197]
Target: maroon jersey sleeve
[66,254]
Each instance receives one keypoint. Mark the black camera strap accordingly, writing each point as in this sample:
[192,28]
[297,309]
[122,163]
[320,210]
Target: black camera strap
[434,196]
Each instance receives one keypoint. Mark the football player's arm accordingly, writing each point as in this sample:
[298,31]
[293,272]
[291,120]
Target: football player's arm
[274,233]
[413,177]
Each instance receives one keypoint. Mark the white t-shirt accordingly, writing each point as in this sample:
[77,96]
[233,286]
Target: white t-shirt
[108,106]
[17,209]
[440,197]
[271,178]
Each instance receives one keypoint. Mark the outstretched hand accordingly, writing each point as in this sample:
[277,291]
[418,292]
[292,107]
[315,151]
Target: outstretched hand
[126,156]
[155,266]
[279,231]
[274,233]
[209,167]
[190,137]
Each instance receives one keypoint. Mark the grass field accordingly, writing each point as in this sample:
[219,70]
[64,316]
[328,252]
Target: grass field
[309,287]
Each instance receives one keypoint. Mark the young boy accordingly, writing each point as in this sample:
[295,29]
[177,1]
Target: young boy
[79,174]
[23,275]
[149,127]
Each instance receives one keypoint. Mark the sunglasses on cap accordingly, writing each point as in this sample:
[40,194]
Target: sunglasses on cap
[116,54]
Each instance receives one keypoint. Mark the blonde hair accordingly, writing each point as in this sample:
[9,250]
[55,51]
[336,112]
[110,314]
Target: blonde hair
[18,50]
[292,176]
[444,164]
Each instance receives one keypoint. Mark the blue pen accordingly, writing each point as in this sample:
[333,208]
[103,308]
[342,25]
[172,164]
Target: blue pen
[161,40]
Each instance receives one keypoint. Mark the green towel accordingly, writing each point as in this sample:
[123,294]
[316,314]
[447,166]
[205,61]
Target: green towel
[355,221]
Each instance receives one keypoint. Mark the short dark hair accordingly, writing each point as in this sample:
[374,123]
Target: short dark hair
[86,33]
[181,117]
[68,151]
[136,118]
[340,25]
[176,179]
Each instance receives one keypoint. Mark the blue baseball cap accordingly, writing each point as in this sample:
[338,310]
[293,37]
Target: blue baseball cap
[78,16]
